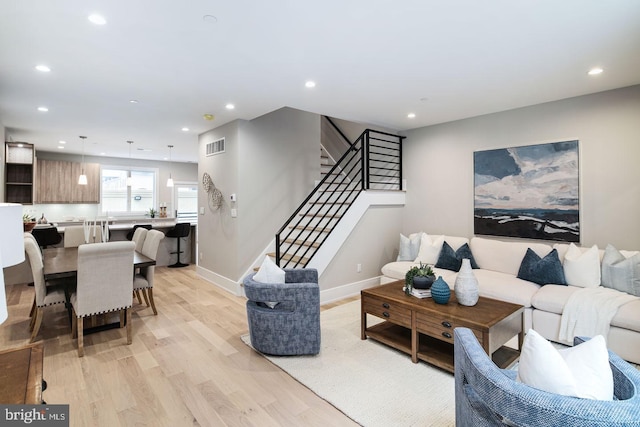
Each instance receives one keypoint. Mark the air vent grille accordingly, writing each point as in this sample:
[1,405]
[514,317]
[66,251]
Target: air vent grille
[215,147]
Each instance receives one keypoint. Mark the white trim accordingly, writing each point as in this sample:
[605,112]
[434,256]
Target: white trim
[220,281]
[351,289]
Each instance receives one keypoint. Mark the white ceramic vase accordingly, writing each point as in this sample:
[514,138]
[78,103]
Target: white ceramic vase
[466,285]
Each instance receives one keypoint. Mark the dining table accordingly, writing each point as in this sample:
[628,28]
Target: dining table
[60,263]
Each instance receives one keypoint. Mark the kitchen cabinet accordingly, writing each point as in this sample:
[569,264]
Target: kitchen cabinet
[19,173]
[57,182]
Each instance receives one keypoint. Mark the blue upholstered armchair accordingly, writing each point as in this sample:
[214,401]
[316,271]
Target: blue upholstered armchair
[489,396]
[292,327]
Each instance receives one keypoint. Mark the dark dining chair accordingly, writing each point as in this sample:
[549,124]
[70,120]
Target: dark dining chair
[179,231]
[46,236]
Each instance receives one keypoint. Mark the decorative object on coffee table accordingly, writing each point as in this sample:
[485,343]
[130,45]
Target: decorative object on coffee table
[419,277]
[466,286]
[440,291]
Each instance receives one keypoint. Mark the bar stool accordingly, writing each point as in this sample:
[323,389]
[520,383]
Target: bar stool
[133,230]
[46,236]
[179,230]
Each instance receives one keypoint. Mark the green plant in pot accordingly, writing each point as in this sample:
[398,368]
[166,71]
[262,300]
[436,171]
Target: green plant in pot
[152,213]
[419,277]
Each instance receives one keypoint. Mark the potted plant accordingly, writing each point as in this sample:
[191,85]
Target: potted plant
[152,213]
[419,277]
[28,222]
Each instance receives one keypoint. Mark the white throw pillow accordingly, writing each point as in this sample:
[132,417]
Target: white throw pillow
[430,247]
[581,371]
[582,268]
[269,272]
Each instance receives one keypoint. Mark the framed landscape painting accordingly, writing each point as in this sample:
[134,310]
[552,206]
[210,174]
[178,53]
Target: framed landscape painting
[528,192]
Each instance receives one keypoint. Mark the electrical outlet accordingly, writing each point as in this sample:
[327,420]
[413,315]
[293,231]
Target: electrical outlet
[358,268]
[201,256]
[234,213]
[201,210]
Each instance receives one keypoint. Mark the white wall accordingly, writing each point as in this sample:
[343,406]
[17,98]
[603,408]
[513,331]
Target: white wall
[438,162]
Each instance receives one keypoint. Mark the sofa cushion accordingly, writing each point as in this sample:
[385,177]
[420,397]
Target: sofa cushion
[505,287]
[409,246]
[547,270]
[552,298]
[619,272]
[627,316]
[452,260]
[505,257]
[582,268]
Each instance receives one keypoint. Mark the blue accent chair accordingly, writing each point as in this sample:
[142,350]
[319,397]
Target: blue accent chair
[292,327]
[489,396]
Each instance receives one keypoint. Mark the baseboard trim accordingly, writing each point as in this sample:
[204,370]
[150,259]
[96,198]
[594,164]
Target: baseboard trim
[220,281]
[348,290]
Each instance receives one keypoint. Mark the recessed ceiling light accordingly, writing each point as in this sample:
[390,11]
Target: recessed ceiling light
[62,142]
[411,115]
[102,154]
[43,68]
[208,116]
[185,129]
[97,19]
[144,149]
[133,101]
[310,84]
[595,71]
[61,147]
[209,19]
[229,106]
[43,109]
[165,158]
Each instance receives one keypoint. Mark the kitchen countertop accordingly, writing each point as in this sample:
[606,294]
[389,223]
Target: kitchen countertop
[121,224]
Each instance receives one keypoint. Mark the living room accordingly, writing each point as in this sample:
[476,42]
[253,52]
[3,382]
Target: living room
[199,325]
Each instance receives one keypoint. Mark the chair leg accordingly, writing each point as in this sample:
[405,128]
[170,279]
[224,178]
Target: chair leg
[137,293]
[33,307]
[80,333]
[36,327]
[74,326]
[121,313]
[129,335]
[146,297]
[153,304]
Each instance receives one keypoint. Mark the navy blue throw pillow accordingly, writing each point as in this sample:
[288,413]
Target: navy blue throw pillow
[452,260]
[543,271]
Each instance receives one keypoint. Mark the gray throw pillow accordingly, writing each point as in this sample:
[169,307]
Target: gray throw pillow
[619,272]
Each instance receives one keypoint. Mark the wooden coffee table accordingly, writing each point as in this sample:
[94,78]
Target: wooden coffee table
[424,329]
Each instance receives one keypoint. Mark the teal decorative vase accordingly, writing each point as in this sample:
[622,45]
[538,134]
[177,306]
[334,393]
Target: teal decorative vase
[440,291]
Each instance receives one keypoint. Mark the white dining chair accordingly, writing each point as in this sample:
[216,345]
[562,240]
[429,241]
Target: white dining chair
[46,294]
[138,237]
[74,235]
[105,278]
[143,281]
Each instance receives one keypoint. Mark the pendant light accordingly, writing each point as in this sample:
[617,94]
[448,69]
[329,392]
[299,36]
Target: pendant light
[82,179]
[129,180]
[170,180]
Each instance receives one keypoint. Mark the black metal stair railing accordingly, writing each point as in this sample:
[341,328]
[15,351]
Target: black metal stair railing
[373,161]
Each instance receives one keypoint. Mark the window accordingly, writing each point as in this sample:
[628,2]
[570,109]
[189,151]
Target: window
[117,197]
[186,201]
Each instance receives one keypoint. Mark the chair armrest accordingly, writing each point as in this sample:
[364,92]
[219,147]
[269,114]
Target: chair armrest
[280,292]
[301,275]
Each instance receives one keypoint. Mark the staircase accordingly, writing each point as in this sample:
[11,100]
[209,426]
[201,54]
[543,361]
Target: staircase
[371,162]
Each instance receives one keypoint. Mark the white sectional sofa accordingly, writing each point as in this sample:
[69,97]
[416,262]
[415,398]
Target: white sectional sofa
[499,263]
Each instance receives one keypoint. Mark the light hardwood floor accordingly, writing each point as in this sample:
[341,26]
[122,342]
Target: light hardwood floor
[186,367]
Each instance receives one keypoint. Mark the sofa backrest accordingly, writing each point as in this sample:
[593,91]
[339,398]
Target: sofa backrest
[505,257]
[455,242]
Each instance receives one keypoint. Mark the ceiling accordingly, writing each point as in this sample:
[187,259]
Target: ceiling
[374,61]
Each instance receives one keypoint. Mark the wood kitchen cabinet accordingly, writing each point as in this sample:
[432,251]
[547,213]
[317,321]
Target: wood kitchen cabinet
[19,173]
[57,182]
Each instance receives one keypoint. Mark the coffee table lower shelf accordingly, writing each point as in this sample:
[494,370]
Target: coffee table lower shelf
[431,350]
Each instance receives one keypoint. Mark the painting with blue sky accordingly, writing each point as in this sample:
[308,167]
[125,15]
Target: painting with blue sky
[528,192]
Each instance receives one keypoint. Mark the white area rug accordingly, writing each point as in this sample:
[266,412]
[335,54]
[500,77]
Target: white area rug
[371,383]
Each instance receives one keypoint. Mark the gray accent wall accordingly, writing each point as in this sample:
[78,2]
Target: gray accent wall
[438,162]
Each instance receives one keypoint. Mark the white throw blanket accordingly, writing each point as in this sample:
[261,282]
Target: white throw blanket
[589,311]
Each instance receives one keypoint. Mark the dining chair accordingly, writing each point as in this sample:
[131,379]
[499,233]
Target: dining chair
[138,237]
[143,281]
[74,235]
[105,278]
[46,294]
